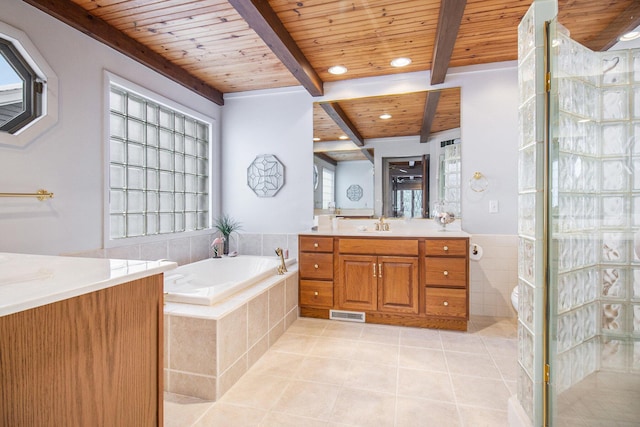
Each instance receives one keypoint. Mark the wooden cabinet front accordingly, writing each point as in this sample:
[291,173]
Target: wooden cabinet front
[357,286]
[446,277]
[91,360]
[398,284]
[446,247]
[393,280]
[446,272]
[316,266]
[446,302]
[383,283]
[316,271]
[316,293]
[316,244]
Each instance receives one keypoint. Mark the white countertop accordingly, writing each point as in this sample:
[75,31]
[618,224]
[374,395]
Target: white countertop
[397,228]
[29,281]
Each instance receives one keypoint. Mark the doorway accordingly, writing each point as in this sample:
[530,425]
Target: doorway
[406,187]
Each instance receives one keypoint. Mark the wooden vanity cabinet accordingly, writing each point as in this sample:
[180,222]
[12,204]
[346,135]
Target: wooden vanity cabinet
[316,272]
[419,282]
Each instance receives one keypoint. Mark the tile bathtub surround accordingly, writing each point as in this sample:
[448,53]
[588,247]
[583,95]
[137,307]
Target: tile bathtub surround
[263,244]
[183,250]
[493,277]
[208,349]
[330,373]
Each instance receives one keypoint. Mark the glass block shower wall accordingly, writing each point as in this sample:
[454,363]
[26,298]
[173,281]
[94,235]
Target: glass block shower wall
[531,196]
[576,197]
[594,211]
[595,216]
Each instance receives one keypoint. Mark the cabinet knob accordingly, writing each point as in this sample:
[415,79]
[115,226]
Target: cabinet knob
[315,245]
[315,266]
[446,303]
[446,273]
[445,248]
[316,293]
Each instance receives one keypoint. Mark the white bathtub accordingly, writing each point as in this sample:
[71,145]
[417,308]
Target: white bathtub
[211,280]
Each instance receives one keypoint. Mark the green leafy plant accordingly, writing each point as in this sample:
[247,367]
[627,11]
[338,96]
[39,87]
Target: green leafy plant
[226,225]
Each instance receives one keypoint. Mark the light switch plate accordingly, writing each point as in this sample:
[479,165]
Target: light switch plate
[493,206]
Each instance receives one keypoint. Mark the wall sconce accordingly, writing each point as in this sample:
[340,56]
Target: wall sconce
[478,182]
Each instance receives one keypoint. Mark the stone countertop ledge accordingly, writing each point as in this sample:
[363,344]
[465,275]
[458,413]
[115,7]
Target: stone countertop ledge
[397,228]
[30,281]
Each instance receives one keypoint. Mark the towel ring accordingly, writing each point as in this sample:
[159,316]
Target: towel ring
[478,182]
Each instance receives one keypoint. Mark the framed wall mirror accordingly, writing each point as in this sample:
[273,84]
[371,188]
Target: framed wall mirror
[368,141]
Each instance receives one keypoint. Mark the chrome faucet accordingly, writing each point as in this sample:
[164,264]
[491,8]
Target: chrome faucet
[282,268]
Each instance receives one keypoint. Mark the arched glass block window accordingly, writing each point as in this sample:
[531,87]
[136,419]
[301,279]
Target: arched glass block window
[28,89]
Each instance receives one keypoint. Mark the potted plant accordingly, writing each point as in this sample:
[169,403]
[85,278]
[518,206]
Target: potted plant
[226,225]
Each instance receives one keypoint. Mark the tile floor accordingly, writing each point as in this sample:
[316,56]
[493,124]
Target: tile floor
[330,373]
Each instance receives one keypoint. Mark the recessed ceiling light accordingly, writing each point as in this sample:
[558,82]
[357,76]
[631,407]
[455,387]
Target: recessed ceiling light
[316,139]
[385,116]
[632,35]
[338,69]
[343,137]
[400,62]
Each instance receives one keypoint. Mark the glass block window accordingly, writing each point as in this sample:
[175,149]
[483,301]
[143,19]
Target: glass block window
[328,189]
[159,168]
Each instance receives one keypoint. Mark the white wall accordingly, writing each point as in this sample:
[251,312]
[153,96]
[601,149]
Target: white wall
[68,159]
[356,172]
[489,125]
[278,122]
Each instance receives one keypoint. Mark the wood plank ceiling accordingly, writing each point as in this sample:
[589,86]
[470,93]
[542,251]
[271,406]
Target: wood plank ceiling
[224,46]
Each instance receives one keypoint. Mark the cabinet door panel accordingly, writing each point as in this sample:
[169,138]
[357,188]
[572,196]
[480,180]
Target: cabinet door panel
[357,287]
[398,284]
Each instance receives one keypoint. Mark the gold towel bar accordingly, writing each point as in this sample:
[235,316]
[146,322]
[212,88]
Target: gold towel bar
[41,195]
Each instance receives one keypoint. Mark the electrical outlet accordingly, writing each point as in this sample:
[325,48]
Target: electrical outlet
[493,206]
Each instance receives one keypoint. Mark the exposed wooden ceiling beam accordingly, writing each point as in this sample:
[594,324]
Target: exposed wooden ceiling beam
[338,115]
[78,18]
[430,107]
[367,154]
[625,22]
[451,12]
[326,158]
[265,22]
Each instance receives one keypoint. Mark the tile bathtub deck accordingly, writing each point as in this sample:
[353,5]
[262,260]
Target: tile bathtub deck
[329,373]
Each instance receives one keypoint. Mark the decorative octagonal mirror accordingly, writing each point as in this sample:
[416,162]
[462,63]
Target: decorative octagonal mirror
[265,175]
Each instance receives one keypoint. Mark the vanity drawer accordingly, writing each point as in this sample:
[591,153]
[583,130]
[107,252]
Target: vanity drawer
[316,293]
[316,266]
[446,247]
[446,271]
[316,244]
[378,246]
[446,302]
